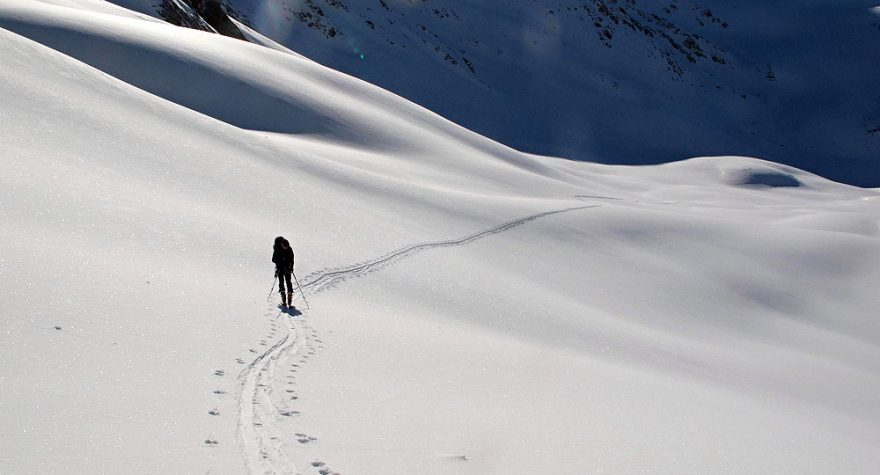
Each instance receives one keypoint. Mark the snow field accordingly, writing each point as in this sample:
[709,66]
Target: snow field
[472,309]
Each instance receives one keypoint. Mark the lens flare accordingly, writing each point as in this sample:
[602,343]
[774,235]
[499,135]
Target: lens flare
[270,18]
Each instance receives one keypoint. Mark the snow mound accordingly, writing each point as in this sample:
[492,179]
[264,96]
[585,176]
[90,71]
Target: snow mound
[748,172]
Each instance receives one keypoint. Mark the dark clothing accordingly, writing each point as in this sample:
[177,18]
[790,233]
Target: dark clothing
[282,256]
[283,259]
[284,276]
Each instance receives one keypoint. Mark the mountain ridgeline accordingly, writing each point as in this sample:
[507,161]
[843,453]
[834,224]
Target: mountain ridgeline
[614,81]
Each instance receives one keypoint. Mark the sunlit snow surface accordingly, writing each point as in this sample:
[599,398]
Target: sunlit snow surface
[471,309]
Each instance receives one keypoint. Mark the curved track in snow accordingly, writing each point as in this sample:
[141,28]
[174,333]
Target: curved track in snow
[323,279]
[266,397]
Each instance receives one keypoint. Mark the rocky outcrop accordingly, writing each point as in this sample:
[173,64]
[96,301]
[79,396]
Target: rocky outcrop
[180,13]
[215,14]
[205,15]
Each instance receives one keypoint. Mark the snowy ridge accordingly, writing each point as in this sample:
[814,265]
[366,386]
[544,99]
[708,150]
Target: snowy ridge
[714,315]
[630,81]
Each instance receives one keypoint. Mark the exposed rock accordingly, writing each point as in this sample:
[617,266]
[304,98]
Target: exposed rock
[215,14]
[205,15]
[179,13]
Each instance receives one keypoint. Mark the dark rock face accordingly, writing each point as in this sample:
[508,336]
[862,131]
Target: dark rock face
[215,14]
[205,15]
[180,14]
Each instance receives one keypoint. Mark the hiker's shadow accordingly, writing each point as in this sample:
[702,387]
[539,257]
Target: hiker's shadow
[292,311]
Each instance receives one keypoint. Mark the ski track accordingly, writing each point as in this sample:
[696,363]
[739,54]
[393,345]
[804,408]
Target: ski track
[323,279]
[268,394]
[267,397]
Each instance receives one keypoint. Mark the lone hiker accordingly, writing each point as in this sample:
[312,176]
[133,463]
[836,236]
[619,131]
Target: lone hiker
[282,256]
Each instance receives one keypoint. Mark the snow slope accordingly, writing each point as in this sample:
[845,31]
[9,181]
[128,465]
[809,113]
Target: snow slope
[634,81]
[471,308]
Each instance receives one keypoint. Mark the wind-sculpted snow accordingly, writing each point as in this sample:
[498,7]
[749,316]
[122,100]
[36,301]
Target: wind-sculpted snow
[512,313]
[631,81]
[248,87]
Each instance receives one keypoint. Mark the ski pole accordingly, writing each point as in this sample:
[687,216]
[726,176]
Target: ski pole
[300,288]
[273,288]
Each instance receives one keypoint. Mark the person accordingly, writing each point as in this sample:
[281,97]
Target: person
[282,256]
